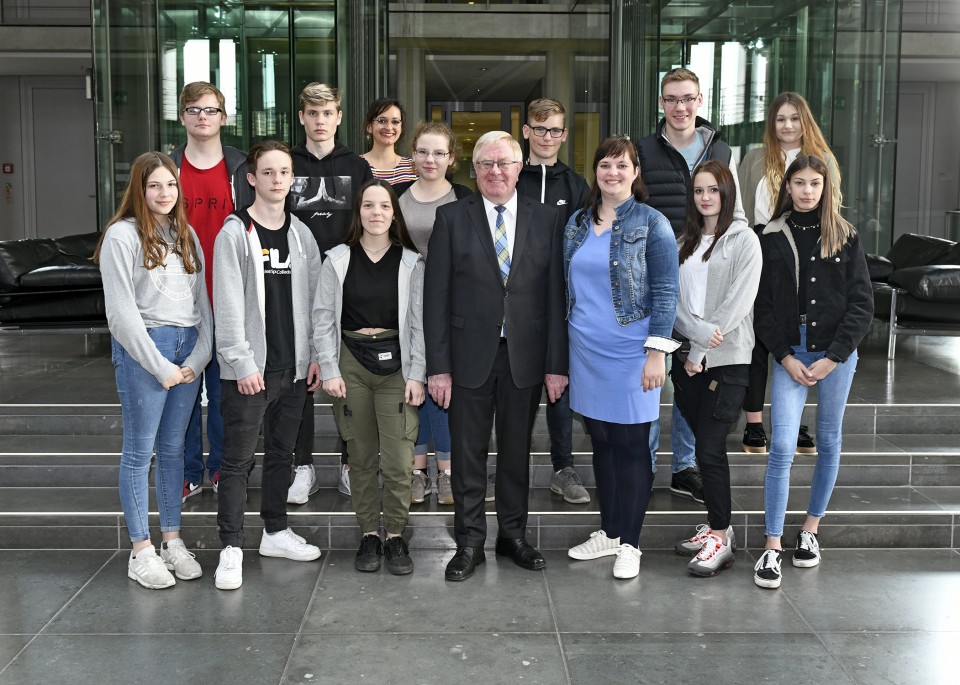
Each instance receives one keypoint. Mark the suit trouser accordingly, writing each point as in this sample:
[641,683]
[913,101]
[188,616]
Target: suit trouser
[472,412]
[379,429]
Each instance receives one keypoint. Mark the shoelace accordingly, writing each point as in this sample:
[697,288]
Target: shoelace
[711,546]
[293,537]
[230,562]
[702,531]
[179,553]
[808,543]
[768,562]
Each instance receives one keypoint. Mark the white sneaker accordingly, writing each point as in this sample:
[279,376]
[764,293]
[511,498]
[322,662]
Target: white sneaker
[627,564]
[343,483]
[599,545]
[287,545]
[229,573]
[180,560]
[147,569]
[304,484]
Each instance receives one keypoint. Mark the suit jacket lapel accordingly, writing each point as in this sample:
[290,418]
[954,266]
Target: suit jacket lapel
[524,217]
[480,224]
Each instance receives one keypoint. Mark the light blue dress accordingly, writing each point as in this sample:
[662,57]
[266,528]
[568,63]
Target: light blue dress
[606,359]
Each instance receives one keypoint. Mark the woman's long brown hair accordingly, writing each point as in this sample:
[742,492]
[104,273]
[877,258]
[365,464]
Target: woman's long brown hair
[812,143]
[835,231]
[693,224]
[134,206]
[398,227]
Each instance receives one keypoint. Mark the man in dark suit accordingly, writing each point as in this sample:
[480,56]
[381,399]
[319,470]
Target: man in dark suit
[496,332]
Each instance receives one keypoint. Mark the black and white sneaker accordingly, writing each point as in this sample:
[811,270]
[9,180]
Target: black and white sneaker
[767,571]
[807,553]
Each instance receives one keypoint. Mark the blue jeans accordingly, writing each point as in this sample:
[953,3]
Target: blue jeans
[433,423]
[786,406]
[154,419]
[193,454]
[682,443]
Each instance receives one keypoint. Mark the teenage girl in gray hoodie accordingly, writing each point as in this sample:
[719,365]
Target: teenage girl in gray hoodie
[720,266]
[160,322]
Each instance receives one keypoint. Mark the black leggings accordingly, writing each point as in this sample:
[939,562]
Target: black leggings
[621,466]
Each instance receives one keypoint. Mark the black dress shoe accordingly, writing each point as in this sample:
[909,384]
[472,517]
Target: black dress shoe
[464,563]
[523,553]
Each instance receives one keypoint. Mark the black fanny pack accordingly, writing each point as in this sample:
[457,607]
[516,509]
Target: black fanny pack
[683,352]
[379,354]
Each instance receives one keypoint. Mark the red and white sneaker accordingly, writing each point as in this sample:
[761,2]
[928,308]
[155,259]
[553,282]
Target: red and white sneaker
[215,482]
[191,489]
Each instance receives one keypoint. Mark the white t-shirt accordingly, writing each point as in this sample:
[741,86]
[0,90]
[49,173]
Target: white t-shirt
[693,279]
[764,200]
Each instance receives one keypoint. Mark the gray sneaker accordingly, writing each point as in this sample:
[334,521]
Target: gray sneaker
[691,546]
[444,488]
[491,488]
[343,482]
[421,487]
[566,482]
[712,558]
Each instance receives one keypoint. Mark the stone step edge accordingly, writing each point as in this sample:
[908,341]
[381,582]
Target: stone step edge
[955,511]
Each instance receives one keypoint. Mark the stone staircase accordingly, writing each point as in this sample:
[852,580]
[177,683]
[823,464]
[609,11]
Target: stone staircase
[899,486]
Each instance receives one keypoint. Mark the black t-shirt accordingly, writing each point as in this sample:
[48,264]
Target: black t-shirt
[277,295]
[370,290]
[805,227]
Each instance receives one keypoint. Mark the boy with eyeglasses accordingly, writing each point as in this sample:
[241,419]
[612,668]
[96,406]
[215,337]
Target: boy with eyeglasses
[667,158]
[326,176]
[214,181]
[547,180]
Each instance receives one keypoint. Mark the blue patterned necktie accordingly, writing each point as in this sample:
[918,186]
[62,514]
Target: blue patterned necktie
[500,245]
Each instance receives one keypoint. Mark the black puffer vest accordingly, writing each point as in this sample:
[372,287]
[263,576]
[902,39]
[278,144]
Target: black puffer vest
[664,170]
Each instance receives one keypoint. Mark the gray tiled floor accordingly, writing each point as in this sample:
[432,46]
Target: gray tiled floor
[861,617]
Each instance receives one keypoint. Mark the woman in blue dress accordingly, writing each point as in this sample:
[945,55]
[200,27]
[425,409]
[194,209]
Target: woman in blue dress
[621,263]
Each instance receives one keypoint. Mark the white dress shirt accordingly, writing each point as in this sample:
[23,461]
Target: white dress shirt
[509,220]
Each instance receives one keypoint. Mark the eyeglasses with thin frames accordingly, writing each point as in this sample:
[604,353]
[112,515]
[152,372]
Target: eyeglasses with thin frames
[383,121]
[502,164]
[686,102]
[209,111]
[437,154]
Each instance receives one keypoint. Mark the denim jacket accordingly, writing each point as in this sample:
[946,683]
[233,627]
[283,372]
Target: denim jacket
[644,267]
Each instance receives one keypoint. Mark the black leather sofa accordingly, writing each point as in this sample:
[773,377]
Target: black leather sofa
[51,284]
[916,287]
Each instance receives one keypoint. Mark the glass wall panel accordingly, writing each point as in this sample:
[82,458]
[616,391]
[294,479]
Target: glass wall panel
[200,42]
[462,58]
[126,91]
[842,56]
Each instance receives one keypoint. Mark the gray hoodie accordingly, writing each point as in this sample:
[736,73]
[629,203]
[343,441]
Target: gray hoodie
[733,276]
[138,299]
[328,306]
[238,297]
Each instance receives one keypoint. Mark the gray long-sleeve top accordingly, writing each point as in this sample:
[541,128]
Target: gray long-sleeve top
[138,299]
[238,298]
[733,277]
